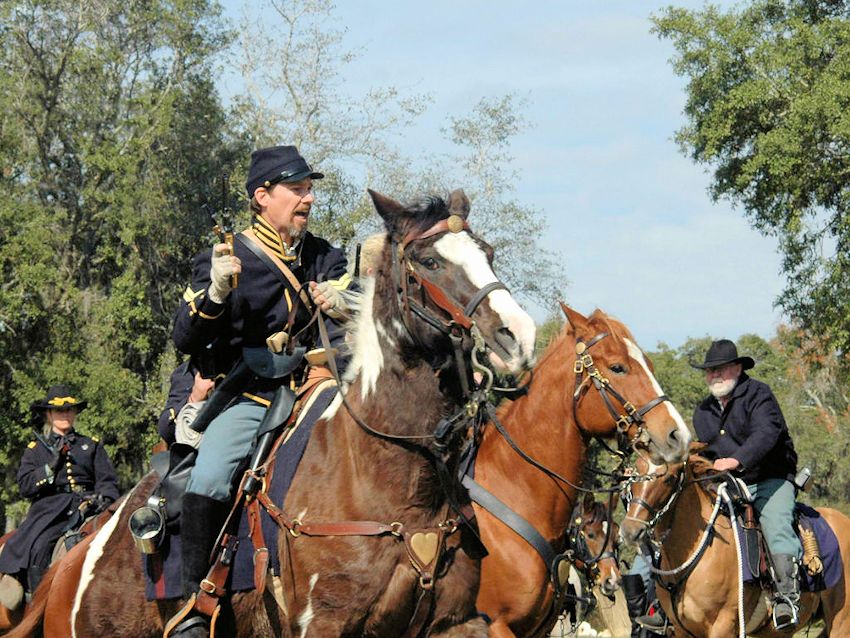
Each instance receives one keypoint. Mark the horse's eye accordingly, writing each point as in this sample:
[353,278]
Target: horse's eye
[591,535]
[617,368]
[430,263]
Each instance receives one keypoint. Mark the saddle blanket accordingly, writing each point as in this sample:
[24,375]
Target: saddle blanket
[163,570]
[829,551]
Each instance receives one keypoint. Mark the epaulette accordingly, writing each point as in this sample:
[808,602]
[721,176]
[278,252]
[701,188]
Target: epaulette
[95,439]
[32,444]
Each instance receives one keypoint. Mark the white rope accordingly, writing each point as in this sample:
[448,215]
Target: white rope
[703,542]
[742,630]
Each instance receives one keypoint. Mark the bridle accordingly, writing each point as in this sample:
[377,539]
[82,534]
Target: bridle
[655,513]
[405,274]
[582,556]
[629,417]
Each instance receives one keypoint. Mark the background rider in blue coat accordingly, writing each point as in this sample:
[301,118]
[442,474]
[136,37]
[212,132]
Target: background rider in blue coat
[61,473]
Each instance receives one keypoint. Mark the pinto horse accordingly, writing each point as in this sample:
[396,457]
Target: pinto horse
[701,597]
[370,545]
[592,381]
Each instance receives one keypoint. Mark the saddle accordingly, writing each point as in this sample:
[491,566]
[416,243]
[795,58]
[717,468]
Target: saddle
[810,529]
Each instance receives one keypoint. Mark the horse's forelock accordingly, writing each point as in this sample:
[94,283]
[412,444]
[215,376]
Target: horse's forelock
[424,213]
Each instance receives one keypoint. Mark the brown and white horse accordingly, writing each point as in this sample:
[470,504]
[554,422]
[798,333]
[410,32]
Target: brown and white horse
[677,505]
[432,298]
[587,384]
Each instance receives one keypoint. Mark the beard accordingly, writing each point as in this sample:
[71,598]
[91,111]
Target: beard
[722,388]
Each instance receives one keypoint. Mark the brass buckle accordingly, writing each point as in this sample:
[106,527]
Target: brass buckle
[578,367]
[629,408]
[623,424]
[208,586]
[295,529]
[396,528]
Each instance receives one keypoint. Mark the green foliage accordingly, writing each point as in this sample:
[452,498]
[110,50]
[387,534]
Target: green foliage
[110,129]
[768,108]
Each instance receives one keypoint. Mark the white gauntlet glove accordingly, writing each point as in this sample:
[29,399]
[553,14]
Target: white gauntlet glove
[182,432]
[329,299]
[223,267]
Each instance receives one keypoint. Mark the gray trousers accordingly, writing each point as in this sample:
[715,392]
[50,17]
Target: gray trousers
[228,440]
[773,499]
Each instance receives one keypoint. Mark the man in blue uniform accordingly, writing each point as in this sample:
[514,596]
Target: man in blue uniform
[280,268]
[64,474]
[746,434]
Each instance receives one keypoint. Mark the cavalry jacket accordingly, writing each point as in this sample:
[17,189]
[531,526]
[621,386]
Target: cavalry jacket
[751,429]
[85,470]
[257,308]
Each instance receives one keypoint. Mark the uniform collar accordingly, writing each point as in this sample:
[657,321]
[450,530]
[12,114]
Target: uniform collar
[264,231]
[55,436]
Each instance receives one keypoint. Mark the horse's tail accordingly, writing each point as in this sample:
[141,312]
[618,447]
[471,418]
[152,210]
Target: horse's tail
[31,624]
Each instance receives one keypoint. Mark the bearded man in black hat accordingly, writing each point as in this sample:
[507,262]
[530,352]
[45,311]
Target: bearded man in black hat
[746,434]
[282,270]
[67,475]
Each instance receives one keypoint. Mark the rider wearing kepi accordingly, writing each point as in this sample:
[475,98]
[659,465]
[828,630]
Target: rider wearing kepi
[746,434]
[67,475]
[263,312]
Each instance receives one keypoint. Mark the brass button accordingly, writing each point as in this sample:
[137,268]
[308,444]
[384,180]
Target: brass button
[722,431]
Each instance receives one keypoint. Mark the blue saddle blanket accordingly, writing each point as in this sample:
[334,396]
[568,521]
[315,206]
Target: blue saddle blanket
[829,552]
[163,570]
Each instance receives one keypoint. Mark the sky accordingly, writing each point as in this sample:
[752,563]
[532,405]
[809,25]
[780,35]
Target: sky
[629,216]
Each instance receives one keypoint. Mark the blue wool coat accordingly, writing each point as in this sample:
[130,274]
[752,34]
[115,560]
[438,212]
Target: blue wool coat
[85,471]
[751,429]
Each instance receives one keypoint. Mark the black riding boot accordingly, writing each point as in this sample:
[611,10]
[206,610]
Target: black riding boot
[787,597]
[200,523]
[635,592]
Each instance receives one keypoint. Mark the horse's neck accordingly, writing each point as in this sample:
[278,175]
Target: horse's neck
[396,395]
[683,526]
[542,424]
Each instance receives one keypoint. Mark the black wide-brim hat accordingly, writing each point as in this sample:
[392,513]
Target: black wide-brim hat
[276,165]
[59,397]
[720,353]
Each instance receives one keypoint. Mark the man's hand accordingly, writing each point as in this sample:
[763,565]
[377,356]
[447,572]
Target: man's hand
[201,389]
[726,464]
[328,298]
[223,266]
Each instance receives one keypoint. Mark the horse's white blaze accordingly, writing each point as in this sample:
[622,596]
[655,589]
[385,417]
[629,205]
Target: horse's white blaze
[93,554]
[461,249]
[367,358]
[684,437]
[306,616]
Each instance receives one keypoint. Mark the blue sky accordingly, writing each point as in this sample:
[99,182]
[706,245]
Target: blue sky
[629,216]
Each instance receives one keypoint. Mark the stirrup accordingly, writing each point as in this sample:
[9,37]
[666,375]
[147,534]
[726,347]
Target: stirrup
[795,619]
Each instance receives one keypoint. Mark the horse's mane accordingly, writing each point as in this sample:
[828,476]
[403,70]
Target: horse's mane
[598,512]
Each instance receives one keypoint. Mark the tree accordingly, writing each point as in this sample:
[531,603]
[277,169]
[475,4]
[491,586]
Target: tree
[768,108]
[351,139]
[110,127]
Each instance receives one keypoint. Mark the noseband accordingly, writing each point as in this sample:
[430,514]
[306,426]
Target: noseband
[633,416]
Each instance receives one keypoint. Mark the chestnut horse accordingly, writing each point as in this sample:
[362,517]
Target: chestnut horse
[590,379]
[367,503]
[677,505]
[9,618]
[594,538]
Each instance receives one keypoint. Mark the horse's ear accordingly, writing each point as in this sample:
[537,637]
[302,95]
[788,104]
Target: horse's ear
[589,502]
[459,203]
[392,212]
[577,320]
[697,447]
